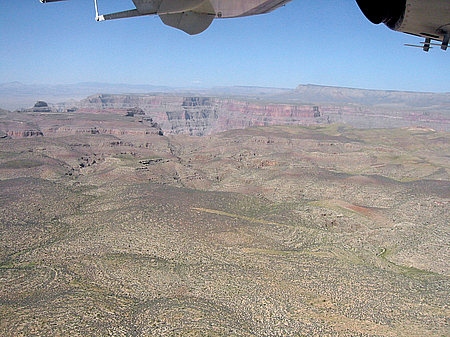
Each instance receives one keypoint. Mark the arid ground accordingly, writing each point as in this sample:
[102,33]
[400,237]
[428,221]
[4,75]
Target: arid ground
[109,228]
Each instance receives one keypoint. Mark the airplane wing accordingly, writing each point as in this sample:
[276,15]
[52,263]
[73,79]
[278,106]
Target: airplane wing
[192,16]
[425,18]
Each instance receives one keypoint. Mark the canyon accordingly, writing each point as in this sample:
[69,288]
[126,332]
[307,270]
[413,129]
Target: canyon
[109,226]
[243,213]
[202,113]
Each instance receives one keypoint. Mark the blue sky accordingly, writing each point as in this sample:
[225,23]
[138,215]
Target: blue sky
[327,42]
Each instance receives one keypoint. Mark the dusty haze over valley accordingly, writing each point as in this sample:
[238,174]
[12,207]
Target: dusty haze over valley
[233,211]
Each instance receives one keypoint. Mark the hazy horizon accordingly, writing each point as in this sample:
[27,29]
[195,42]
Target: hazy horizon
[17,95]
[197,87]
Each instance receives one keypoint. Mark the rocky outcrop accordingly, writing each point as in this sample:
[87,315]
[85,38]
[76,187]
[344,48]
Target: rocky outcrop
[27,133]
[135,111]
[41,106]
[31,124]
[3,135]
[115,128]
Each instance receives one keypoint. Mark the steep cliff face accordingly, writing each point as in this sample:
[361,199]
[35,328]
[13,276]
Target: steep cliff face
[241,114]
[199,115]
[19,129]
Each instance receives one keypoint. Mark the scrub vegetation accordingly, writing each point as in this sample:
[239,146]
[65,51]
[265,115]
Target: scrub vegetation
[266,231]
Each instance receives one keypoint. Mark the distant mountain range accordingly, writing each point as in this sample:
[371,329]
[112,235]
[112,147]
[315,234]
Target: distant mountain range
[16,95]
[84,88]
[327,94]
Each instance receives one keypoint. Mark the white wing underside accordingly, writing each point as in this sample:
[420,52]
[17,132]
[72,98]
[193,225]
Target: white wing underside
[194,16]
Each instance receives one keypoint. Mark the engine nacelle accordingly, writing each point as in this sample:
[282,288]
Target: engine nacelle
[389,12]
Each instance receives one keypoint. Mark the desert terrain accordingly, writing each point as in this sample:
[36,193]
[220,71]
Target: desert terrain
[118,222]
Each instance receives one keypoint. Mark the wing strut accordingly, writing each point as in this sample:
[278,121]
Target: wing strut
[112,16]
[96,11]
